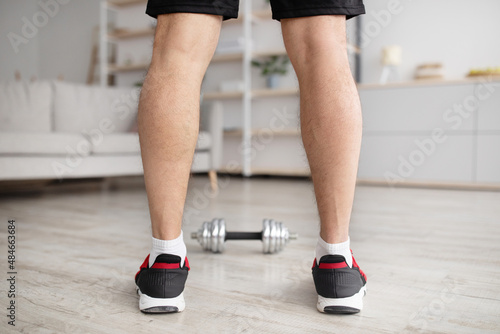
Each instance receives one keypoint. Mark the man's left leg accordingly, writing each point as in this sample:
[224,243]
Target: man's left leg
[330,116]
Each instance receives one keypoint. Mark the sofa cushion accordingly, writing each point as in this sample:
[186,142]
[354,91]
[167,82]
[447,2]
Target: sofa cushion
[128,143]
[117,143]
[25,106]
[81,108]
[201,162]
[40,143]
[204,141]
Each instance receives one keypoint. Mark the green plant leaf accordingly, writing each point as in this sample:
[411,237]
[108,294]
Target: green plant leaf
[273,65]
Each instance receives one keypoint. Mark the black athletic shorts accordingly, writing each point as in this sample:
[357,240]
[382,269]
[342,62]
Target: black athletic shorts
[282,9]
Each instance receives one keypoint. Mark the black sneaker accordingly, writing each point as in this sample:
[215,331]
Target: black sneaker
[161,287]
[340,288]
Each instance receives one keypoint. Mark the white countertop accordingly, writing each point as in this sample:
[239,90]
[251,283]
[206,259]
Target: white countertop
[435,82]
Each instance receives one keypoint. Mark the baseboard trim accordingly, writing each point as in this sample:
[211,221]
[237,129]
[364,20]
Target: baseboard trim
[431,184]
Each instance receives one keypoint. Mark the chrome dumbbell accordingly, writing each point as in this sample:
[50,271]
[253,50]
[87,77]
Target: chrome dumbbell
[212,236]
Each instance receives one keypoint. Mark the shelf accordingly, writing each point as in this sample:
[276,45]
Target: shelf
[222,95]
[264,14]
[255,93]
[305,172]
[423,83]
[128,33]
[124,3]
[127,68]
[277,52]
[275,92]
[219,57]
[232,21]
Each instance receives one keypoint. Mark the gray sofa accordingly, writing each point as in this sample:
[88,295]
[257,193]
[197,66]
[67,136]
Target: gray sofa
[58,130]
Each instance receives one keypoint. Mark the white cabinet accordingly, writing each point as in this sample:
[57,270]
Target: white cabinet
[488,158]
[398,158]
[488,133]
[489,107]
[401,123]
[414,108]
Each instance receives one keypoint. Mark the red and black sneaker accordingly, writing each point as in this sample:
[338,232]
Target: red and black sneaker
[161,287]
[340,288]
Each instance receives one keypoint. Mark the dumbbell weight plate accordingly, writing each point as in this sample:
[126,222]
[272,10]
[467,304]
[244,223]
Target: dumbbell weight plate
[205,236]
[211,236]
[279,237]
[274,236]
[266,233]
[270,236]
[284,236]
[218,228]
[222,235]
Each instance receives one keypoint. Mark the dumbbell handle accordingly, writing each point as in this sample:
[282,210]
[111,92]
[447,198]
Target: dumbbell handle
[252,236]
[245,236]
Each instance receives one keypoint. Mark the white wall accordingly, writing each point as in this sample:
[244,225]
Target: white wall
[25,60]
[460,34]
[66,42]
[59,44]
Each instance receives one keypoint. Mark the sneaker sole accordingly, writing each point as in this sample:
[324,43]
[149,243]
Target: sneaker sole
[149,304]
[348,305]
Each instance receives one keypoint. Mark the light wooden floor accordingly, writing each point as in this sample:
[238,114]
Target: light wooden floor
[432,258]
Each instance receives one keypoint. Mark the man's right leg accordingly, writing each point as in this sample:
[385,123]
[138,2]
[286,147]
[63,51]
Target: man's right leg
[168,122]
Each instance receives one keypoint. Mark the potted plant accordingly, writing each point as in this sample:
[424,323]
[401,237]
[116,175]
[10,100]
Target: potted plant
[271,68]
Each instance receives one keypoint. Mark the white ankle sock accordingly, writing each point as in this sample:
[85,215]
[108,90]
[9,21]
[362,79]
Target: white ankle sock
[174,247]
[323,248]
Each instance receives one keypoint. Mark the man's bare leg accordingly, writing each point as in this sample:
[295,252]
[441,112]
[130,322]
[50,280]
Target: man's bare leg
[169,113]
[168,122]
[331,124]
[330,116]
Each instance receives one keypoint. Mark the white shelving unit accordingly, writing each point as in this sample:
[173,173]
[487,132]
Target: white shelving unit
[245,105]
[126,30]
